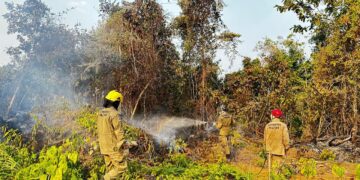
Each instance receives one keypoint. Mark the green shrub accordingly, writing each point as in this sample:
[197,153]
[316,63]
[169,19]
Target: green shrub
[136,170]
[327,155]
[338,171]
[87,119]
[131,133]
[53,163]
[263,155]
[96,167]
[180,167]
[283,171]
[236,141]
[277,176]
[13,154]
[307,167]
[177,146]
[287,170]
[357,172]
[296,127]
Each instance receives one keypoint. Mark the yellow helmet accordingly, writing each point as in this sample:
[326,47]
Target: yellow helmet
[114,96]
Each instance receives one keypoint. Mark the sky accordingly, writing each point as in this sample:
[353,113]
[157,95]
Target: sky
[253,19]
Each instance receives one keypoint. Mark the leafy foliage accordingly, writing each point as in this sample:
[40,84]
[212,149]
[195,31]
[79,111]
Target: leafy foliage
[282,172]
[357,172]
[87,119]
[338,171]
[276,80]
[179,166]
[307,167]
[177,146]
[133,52]
[327,155]
[199,25]
[334,95]
[54,163]
[42,62]
[13,155]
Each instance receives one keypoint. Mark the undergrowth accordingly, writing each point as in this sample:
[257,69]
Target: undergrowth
[179,166]
[78,157]
[327,155]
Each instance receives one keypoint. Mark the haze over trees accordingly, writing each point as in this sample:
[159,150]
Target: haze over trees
[132,50]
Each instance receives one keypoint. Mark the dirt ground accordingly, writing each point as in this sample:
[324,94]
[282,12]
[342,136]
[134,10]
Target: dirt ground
[248,159]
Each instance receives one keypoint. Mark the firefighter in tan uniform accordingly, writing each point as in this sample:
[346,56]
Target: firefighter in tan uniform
[225,124]
[276,139]
[111,136]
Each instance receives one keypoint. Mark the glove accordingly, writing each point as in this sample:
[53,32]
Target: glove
[134,143]
[120,145]
[131,144]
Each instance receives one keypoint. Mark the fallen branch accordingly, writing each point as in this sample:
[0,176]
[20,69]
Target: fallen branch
[330,138]
[332,143]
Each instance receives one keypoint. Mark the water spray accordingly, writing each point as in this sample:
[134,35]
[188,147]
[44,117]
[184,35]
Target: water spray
[166,129]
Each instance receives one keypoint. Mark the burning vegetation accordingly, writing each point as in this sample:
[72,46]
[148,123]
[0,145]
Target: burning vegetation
[52,90]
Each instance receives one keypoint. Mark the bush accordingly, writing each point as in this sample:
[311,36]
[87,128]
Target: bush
[87,119]
[96,168]
[236,141]
[338,171]
[296,127]
[263,157]
[327,155]
[177,146]
[179,166]
[357,172]
[283,171]
[53,163]
[277,176]
[187,169]
[307,167]
[13,154]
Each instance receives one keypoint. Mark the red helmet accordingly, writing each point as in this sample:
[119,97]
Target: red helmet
[276,113]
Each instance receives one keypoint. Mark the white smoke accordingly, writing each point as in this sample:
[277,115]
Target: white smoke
[165,129]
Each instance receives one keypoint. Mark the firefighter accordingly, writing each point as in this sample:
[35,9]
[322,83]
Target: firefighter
[276,139]
[111,136]
[225,124]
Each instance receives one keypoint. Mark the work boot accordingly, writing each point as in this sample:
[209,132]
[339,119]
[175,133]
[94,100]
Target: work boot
[228,157]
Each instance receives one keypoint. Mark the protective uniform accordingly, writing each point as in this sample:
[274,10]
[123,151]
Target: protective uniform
[225,123]
[111,140]
[276,138]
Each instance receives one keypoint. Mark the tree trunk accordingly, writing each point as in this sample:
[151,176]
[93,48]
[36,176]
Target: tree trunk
[138,99]
[355,129]
[344,107]
[203,90]
[12,101]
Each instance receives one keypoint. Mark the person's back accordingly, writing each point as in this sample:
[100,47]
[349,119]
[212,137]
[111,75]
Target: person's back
[276,140]
[224,123]
[276,137]
[110,135]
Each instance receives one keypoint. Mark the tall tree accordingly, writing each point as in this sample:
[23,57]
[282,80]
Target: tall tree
[201,29]
[276,79]
[141,60]
[336,63]
[44,59]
